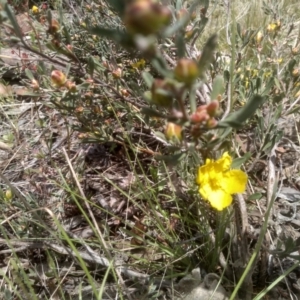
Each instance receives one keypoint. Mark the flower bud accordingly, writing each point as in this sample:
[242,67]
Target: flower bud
[8,195]
[71,86]
[146,17]
[35,85]
[88,95]
[58,78]
[186,71]
[193,15]
[124,92]
[35,10]
[106,64]
[188,32]
[212,108]
[259,37]
[181,13]
[295,50]
[201,108]
[173,132]
[69,47]
[295,72]
[162,93]
[117,73]
[199,117]
[83,24]
[53,27]
[211,123]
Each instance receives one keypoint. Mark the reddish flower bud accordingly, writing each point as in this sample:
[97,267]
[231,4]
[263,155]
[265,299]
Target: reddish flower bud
[201,108]
[146,17]
[186,71]
[124,92]
[199,117]
[58,78]
[70,47]
[117,73]
[71,86]
[53,27]
[212,108]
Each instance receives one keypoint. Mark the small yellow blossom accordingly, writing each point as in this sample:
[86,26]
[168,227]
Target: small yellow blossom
[217,182]
[35,9]
[139,64]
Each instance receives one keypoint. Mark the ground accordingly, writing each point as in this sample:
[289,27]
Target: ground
[85,181]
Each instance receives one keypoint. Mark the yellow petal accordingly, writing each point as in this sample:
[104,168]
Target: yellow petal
[224,162]
[205,191]
[203,174]
[234,181]
[219,199]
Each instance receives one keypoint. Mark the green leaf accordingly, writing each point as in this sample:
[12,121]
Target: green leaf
[91,66]
[112,34]
[291,65]
[118,6]
[202,24]
[11,16]
[269,87]
[180,44]
[294,110]
[148,78]
[178,26]
[255,196]
[171,159]
[237,119]
[237,162]
[151,112]
[258,83]
[178,4]
[160,64]
[226,75]
[29,74]
[193,102]
[238,29]
[222,134]
[207,55]
[217,87]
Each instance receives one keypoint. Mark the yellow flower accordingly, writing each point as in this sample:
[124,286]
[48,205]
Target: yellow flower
[218,183]
[139,64]
[35,9]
